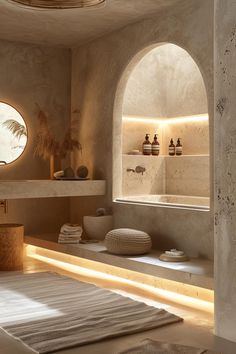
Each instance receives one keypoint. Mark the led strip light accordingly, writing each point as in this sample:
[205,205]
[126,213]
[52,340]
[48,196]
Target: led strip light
[58,4]
[195,118]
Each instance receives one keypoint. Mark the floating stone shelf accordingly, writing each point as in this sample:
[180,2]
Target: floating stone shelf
[23,189]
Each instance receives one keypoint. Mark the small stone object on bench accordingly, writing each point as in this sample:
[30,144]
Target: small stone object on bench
[82,172]
[69,172]
[173,255]
[128,242]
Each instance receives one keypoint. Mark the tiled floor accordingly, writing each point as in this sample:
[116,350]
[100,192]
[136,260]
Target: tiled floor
[196,330]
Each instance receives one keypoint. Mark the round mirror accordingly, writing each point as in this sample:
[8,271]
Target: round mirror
[13,134]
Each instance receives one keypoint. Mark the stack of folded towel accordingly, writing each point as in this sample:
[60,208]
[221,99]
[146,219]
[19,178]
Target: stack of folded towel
[70,233]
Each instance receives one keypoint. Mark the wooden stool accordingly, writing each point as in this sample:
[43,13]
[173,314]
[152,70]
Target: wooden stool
[11,246]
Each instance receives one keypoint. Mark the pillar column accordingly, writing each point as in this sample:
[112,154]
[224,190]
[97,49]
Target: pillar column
[225,168]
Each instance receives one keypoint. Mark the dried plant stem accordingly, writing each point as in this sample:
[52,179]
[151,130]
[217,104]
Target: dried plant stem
[52,166]
[46,145]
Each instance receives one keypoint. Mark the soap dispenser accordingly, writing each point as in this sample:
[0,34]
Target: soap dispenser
[155,146]
[172,148]
[179,148]
[147,146]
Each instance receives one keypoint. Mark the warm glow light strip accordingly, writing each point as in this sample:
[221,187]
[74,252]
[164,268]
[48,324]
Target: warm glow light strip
[195,118]
[168,295]
[58,4]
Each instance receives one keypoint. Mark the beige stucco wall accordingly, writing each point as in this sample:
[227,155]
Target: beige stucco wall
[225,167]
[165,83]
[186,175]
[30,74]
[97,69]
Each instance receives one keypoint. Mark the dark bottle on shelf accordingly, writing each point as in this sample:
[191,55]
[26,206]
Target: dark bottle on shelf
[155,146]
[172,148]
[147,146]
[179,148]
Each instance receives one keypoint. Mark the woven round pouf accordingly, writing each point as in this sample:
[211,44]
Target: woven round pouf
[11,246]
[128,242]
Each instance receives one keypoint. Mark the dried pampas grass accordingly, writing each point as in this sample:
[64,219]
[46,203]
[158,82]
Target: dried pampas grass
[46,144]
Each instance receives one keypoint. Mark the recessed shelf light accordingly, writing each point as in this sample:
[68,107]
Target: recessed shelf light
[58,4]
[185,119]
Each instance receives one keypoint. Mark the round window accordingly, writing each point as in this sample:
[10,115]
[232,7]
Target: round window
[13,134]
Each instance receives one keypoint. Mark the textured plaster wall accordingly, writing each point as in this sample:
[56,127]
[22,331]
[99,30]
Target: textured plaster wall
[181,229]
[97,72]
[29,75]
[74,26]
[166,175]
[165,83]
[194,137]
[225,167]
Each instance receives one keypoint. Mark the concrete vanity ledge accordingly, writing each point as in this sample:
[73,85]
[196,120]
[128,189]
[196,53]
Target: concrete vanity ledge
[197,272]
[24,189]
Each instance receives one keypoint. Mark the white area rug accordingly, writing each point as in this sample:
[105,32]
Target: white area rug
[149,346]
[49,312]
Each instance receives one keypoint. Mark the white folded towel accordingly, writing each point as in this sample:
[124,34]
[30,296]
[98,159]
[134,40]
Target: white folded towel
[78,234]
[70,233]
[70,241]
[71,228]
[62,237]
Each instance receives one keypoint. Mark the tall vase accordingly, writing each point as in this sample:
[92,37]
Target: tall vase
[52,166]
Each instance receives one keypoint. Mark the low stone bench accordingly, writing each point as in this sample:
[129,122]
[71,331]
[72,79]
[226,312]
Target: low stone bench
[128,242]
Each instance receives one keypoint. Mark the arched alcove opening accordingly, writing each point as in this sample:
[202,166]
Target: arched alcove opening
[162,92]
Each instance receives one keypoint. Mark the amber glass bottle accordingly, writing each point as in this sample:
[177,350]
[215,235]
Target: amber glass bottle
[147,146]
[172,148]
[155,146]
[179,148]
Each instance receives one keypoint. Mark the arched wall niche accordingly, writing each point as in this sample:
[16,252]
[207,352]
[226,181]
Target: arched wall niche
[118,109]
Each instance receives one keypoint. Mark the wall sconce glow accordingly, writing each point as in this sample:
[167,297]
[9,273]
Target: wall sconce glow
[197,118]
[174,120]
